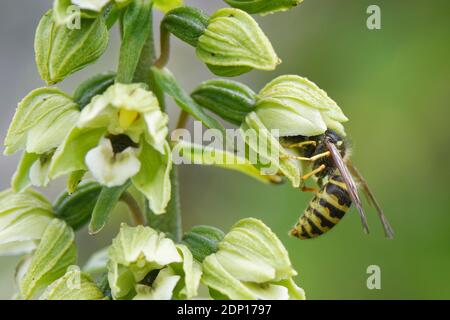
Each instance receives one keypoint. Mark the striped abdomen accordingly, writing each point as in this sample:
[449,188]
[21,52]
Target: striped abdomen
[325,210]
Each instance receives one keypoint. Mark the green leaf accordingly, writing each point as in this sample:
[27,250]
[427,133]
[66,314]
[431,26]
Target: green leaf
[203,241]
[136,29]
[61,51]
[76,208]
[105,204]
[170,86]
[263,6]
[231,100]
[93,86]
[55,253]
[186,23]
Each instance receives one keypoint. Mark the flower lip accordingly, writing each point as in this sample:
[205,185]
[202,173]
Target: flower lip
[121,142]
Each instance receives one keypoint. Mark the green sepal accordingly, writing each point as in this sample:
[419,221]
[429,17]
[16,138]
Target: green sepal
[186,23]
[231,100]
[55,253]
[228,71]
[170,86]
[263,6]
[61,51]
[76,208]
[93,86]
[203,241]
[136,29]
[21,178]
[73,285]
[74,180]
[104,206]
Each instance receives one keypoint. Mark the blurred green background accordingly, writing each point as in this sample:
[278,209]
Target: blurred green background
[393,84]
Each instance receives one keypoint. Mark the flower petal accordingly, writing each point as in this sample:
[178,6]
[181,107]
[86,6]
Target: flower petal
[112,169]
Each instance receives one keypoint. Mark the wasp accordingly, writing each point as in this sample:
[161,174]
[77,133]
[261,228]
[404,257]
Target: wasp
[335,175]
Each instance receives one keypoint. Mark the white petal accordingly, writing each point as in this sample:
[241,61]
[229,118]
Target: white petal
[162,288]
[94,5]
[39,173]
[156,128]
[112,169]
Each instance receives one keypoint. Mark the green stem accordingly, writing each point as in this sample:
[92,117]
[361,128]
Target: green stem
[170,222]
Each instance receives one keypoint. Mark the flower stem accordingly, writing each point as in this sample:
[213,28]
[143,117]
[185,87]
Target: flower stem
[135,210]
[170,222]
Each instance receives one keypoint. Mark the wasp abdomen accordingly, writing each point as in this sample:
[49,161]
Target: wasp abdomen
[325,210]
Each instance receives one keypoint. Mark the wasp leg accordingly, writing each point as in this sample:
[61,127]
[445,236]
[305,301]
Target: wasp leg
[309,189]
[310,174]
[302,144]
[312,159]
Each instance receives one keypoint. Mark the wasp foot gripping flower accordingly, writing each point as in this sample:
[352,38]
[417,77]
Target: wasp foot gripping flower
[296,106]
[120,135]
[251,263]
[145,265]
[23,219]
[42,120]
[263,6]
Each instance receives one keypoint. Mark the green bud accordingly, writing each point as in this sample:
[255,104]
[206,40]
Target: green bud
[61,51]
[263,6]
[74,285]
[76,208]
[203,241]
[251,263]
[296,106]
[23,219]
[231,100]
[93,86]
[233,43]
[167,5]
[186,23]
[55,253]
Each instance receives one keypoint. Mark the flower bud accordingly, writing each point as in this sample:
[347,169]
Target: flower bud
[23,219]
[55,253]
[231,100]
[186,23]
[61,51]
[296,106]
[233,43]
[203,241]
[263,6]
[251,263]
[167,5]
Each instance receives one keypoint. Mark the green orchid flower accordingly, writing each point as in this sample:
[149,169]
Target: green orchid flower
[121,135]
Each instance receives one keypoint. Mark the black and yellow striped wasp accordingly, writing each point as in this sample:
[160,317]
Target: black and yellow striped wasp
[336,175]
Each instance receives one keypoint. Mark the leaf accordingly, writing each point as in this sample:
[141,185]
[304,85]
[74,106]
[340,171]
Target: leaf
[136,29]
[93,86]
[55,253]
[76,208]
[105,204]
[170,86]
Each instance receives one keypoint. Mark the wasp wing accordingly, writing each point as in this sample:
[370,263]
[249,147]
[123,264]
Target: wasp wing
[370,197]
[348,179]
